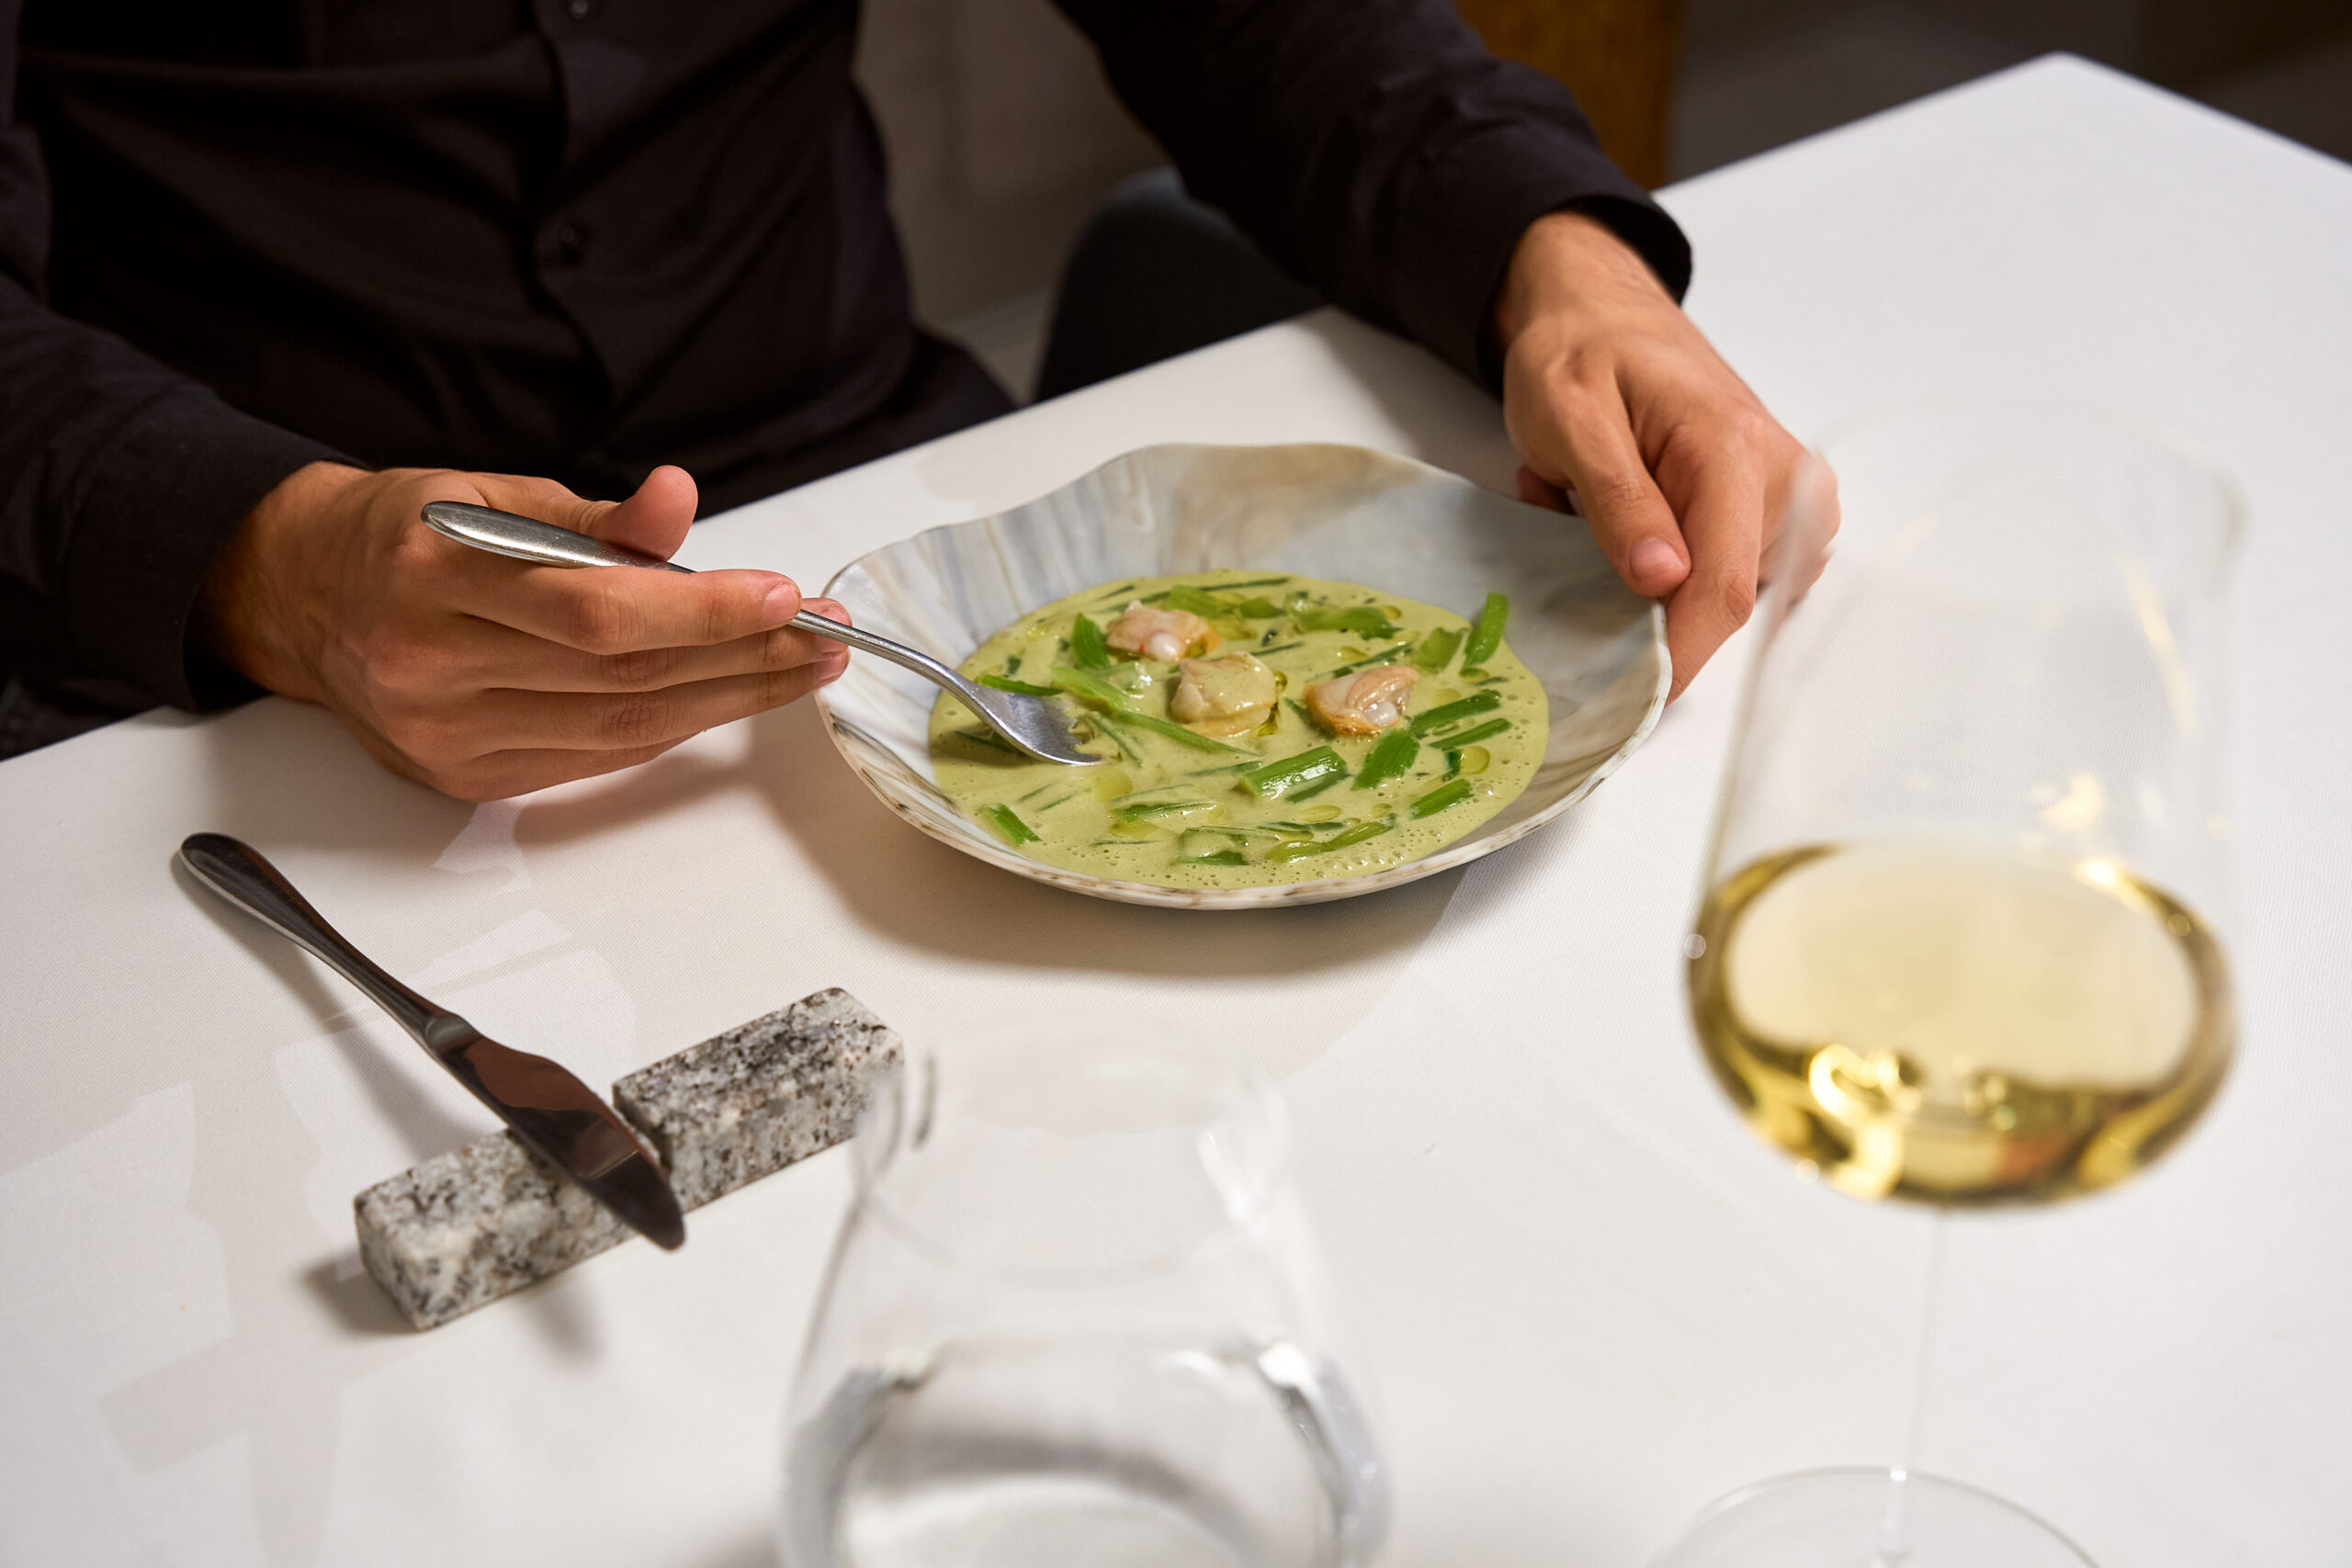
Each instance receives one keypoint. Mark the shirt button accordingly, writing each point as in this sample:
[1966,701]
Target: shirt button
[582,10]
[570,245]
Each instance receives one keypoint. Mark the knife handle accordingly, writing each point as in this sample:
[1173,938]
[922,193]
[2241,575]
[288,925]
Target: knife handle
[242,875]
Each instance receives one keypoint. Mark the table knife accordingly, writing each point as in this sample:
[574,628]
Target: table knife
[553,1112]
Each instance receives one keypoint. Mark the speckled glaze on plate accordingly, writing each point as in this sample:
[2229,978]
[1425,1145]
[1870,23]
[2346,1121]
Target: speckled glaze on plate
[1334,512]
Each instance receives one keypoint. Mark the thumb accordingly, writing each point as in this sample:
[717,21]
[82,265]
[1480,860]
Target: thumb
[654,520]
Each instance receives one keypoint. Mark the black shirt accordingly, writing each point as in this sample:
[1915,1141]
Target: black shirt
[581,238]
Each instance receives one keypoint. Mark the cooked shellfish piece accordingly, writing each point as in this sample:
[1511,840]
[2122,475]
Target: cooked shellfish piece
[1145,631]
[1232,695]
[1364,703]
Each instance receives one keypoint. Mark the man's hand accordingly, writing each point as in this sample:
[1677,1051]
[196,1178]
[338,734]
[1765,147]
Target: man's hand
[1611,393]
[485,677]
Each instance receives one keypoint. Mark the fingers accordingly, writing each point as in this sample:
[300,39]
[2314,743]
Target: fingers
[481,655]
[617,610]
[1723,520]
[653,521]
[1587,443]
[590,721]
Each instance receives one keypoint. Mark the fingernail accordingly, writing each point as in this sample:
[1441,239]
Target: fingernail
[783,602]
[1653,558]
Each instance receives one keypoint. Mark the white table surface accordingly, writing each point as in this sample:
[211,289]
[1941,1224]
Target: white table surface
[1589,1300]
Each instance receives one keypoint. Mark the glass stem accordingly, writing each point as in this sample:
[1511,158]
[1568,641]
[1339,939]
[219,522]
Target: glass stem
[1892,1549]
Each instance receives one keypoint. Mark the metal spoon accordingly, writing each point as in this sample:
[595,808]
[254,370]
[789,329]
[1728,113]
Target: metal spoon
[1033,724]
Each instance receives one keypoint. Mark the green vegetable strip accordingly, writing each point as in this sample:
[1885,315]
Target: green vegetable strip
[1005,683]
[1439,717]
[1386,656]
[1116,594]
[1388,760]
[1488,634]
[1252,582]
[1184,596]
[1087,647]
[1364,620]
[1173,731]
[1291,774]
[1436,650]
[987,738]
[1437,799]
[1157,808]
[1486,731]
[1282,853]
[1297,796]
[1257,609]
[1089,688]
[1222,857]
[1009,827]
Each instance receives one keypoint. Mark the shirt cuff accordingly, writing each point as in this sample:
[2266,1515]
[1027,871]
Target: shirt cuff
[1482,199]
[183,476]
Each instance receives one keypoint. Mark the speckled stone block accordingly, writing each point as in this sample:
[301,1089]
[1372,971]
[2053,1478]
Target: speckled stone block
[473,1225]
[467,1226]
[755,1099]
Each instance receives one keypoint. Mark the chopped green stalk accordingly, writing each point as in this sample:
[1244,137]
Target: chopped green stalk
[987,738]
[1292,775]
[1437,799]
[1173,731]
[1486,731]
[1364,620]
[1184,596]
[1453,765]
[1283,854]
[1090,688]
[1454,712]
[1060,800]
[1311,791]
[1488,634]
[1436,650]
[1159,808]
[1117,594]
[1025,799]
[1222,857]
[1256,609]
[1205,847]
[1386,656]
[1087,647]
[1388,760]
[1006,684]
[1009,827]
[1277,648]
[1302,826]
[1252,582]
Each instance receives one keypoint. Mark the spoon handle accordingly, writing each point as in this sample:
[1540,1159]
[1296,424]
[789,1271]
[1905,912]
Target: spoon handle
[544,544]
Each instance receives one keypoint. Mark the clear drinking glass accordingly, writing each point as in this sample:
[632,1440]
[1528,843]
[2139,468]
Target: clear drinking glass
[1073,1317]
[1959,943]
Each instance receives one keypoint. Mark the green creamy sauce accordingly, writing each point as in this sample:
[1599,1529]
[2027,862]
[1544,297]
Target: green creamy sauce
[1159,811]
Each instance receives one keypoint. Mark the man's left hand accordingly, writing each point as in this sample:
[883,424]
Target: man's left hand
[1611,393]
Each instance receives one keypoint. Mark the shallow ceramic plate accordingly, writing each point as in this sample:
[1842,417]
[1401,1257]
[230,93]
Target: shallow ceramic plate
[1329,511]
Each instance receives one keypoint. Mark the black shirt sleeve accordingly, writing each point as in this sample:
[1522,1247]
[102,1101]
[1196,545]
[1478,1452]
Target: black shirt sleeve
[120,479]
[1372,148]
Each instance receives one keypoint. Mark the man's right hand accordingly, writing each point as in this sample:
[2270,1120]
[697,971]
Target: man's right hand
[486,676]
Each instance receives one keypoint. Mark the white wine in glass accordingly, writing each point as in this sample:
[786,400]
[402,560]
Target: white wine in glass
[1958,943]
[1960,939]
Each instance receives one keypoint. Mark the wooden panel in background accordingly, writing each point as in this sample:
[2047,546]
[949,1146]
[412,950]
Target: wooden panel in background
[1617,56]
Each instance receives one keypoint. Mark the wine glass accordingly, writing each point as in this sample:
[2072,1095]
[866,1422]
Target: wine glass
[1073,1316]
[1959,938]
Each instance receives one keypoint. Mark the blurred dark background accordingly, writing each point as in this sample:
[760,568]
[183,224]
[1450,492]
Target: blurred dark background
[1002,136]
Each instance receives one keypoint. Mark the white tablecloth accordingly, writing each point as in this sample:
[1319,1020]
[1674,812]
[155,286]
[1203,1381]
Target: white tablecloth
[1589,1300]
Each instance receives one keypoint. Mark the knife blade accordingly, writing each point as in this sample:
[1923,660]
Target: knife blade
[564,1121]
